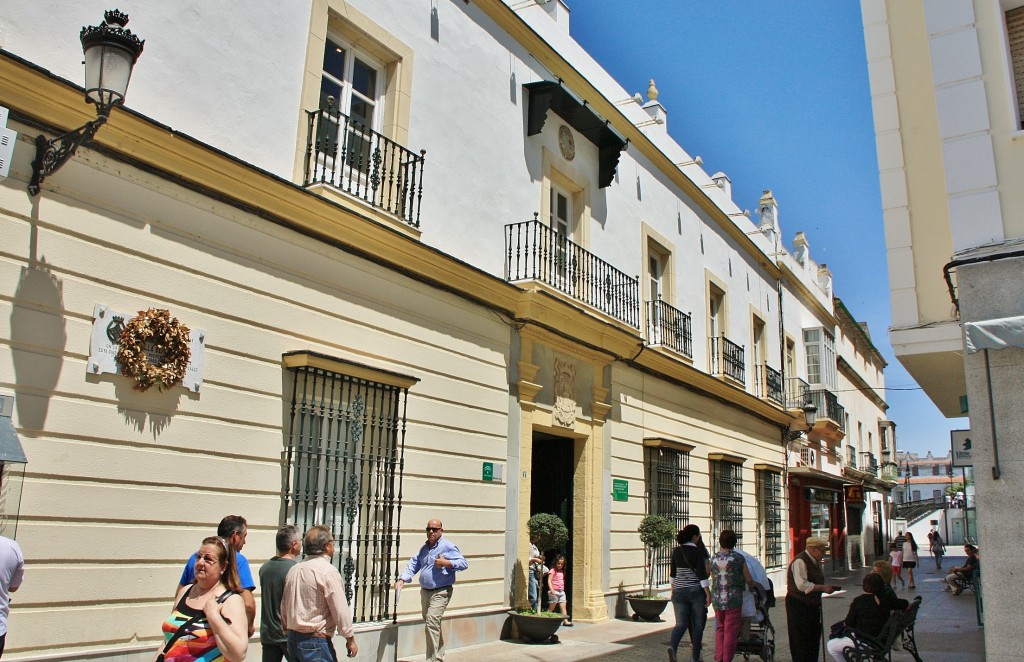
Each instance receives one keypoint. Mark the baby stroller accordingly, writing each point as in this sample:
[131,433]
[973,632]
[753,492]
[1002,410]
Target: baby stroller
[761,640]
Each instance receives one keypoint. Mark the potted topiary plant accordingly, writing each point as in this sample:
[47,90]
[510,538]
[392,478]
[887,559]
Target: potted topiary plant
[655,531]
[551,533]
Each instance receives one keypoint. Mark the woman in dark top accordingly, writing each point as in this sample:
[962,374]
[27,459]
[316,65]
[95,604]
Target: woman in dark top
[691,592]
[868,614]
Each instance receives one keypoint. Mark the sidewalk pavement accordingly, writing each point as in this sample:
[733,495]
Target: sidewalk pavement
[946,629]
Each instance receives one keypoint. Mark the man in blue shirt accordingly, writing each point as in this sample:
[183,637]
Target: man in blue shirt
[437,562]
[233,530]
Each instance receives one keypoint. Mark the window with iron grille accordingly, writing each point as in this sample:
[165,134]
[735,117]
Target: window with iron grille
[345,441]
[726,499]
[668,485]
[769,515]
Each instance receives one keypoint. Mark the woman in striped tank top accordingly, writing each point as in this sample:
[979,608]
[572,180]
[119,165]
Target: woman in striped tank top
[691,593]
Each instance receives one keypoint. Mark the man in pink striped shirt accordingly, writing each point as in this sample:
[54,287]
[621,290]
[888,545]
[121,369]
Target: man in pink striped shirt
[313,605]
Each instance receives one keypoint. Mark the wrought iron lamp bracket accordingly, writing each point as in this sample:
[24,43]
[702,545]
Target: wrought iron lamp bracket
[52,154]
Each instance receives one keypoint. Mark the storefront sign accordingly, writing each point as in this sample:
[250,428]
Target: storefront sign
[962,448]
[854,494]
[106,332]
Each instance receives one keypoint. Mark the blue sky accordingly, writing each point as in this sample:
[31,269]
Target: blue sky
[776,95]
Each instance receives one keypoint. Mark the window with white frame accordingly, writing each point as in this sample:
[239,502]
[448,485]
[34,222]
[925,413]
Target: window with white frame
[352,83]
[668,485]
[820,349]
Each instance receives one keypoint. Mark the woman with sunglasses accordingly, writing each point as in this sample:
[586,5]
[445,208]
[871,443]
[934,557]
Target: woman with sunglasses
[208,621]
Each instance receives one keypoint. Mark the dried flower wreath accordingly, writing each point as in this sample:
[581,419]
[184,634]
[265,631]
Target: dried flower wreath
[167,336]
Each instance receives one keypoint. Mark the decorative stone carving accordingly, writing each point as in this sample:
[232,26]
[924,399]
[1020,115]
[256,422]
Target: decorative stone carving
[565,392]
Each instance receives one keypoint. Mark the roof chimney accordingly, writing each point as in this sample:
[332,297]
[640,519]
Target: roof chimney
[723,182]
[558,11]
[768,213]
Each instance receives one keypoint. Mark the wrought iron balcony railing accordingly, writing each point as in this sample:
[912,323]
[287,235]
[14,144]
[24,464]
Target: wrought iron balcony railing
[769,383]
[796,393]
[533,251]
[727,359]
[669,327]
[347,154]
[829,407]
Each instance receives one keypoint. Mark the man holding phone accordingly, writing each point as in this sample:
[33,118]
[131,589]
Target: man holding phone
[805,583]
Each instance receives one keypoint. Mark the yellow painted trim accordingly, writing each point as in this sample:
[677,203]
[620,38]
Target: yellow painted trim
[596,337]
[348,368]
[506,19]
[726,457]
[768,467]
[661,442]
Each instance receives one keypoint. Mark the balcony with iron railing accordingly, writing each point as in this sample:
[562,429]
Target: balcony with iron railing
[868,463]
[828,406]
[347,155]
[769,383]
[533,251]
[669,327]
[796,393]
[890,471]
[727,359]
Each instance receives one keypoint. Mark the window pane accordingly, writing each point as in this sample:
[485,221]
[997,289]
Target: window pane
[361,111]
[334,60]
[364,79]
[329,88]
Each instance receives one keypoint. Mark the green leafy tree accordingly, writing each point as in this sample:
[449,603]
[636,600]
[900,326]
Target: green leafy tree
[655,531]
[550,531]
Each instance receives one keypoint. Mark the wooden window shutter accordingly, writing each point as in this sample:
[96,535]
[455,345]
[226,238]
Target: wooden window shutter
[1015,32]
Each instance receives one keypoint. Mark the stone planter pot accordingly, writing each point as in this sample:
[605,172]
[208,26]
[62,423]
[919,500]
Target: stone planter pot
[647,609]
[533,628]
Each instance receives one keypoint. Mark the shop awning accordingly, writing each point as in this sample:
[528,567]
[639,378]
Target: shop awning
[549,95]
[10,445]
[821,475]
[994,334]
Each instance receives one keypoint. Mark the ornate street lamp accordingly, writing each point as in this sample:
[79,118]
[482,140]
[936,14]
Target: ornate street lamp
[110,54]
[810,417]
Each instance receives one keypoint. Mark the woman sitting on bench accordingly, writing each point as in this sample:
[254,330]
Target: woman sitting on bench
[868,615]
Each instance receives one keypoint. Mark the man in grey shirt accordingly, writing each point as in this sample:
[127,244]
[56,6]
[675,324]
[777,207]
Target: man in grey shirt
[272,574]
[12,571]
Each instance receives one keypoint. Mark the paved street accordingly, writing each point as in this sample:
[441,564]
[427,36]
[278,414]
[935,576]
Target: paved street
[947,630]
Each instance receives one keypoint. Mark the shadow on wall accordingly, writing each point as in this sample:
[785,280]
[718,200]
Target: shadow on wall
[38,337]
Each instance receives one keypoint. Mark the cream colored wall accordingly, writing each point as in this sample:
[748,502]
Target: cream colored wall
[121,486]
[1007,137]
[929,232]
[644,406]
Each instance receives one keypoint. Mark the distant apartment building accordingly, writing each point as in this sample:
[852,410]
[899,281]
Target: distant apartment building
[947,85]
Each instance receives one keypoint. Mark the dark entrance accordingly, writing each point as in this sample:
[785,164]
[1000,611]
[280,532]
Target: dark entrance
[554,463]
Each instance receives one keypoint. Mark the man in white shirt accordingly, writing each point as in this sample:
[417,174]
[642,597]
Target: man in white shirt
[12,571]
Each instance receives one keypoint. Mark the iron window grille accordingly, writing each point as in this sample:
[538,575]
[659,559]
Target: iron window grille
[668,484]
[343,469]
[769,503]
[726,498]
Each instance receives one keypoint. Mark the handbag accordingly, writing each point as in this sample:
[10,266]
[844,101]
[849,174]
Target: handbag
[189,623]
[838,630]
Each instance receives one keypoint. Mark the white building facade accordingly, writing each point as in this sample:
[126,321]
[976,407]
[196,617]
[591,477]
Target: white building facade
[430,282]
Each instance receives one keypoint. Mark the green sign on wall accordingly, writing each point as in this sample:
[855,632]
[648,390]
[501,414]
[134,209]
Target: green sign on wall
[488,471]
[620,490]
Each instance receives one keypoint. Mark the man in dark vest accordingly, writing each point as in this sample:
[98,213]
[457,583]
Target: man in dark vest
[805,583]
